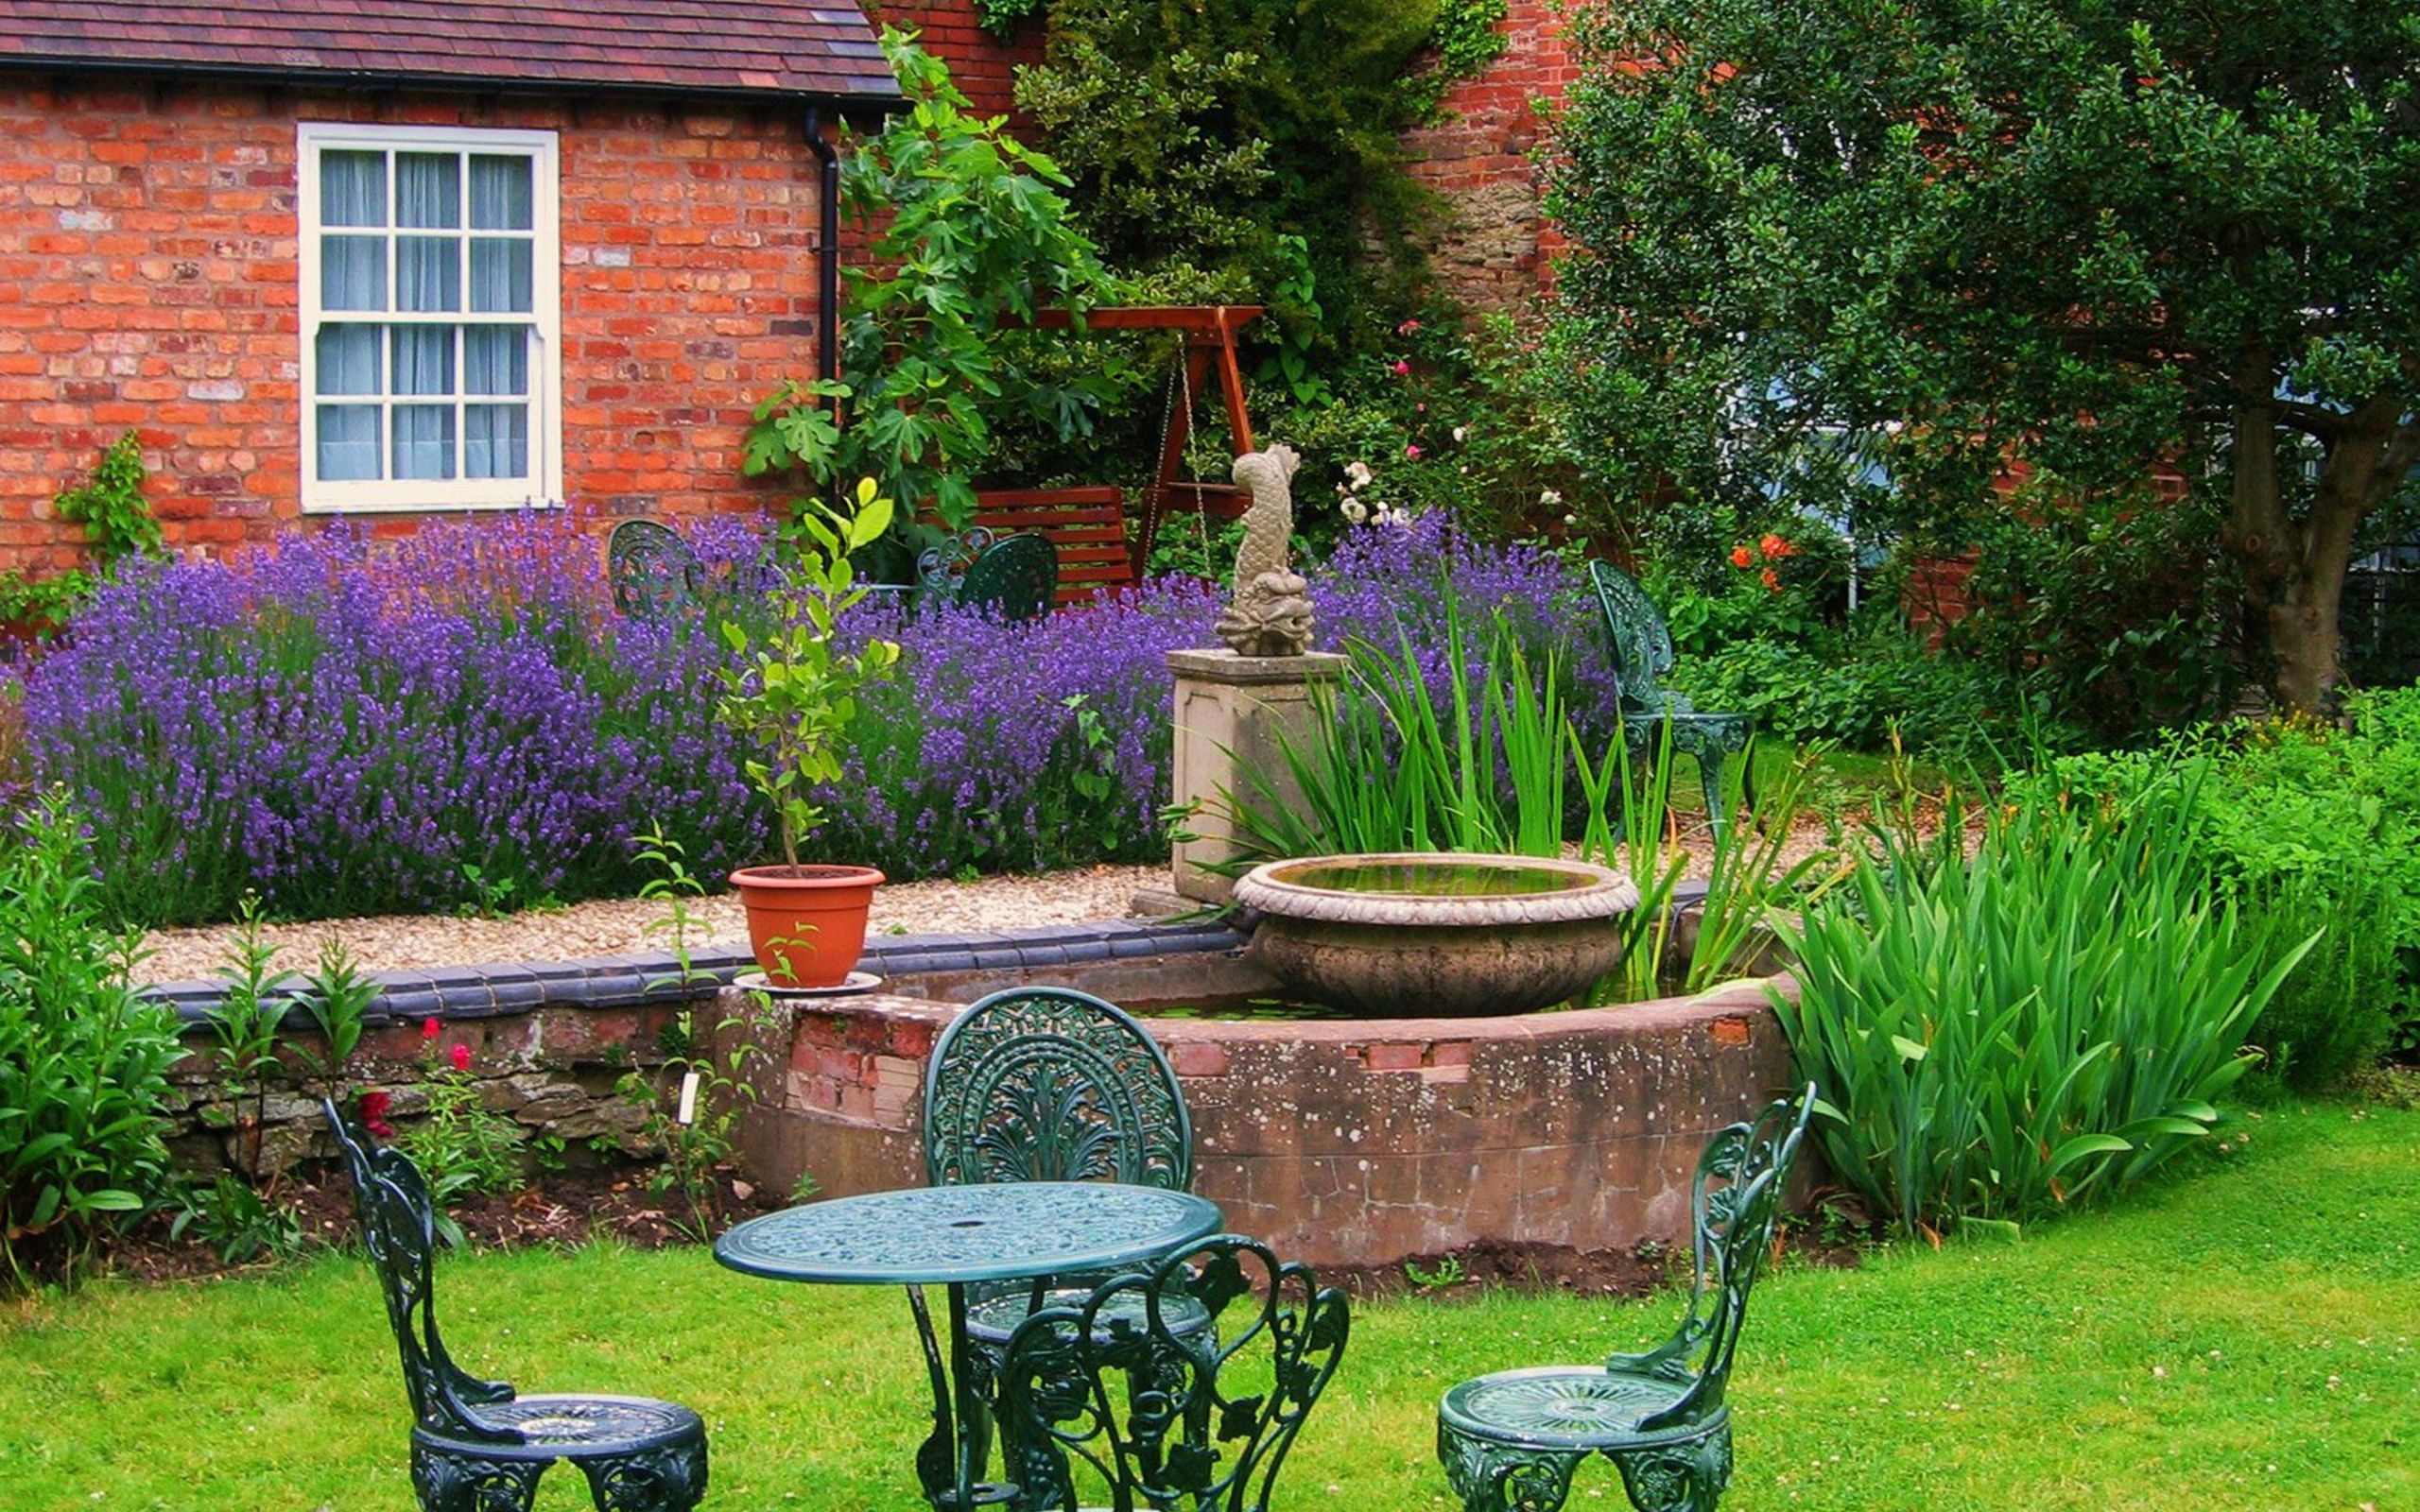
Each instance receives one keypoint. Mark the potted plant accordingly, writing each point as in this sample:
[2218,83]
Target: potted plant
[792,697]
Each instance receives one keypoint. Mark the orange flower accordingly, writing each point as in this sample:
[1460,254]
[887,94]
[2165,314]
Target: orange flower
[1773,547]
[1739,557]
[1770,578]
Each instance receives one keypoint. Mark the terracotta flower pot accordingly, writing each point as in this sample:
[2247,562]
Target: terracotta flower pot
[807,925]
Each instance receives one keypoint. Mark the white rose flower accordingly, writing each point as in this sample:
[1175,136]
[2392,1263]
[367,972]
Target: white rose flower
[1461,434]
[1549,497]
[1357,473]
[1353,512]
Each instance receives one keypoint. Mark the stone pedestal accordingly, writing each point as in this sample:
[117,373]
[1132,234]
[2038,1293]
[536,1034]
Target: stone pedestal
[1230,713]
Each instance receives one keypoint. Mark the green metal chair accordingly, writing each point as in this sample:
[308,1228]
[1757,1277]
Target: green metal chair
[476,1445]
[1012,578]
[1048,1084]
[1642,648]
[1510,1441]
[654,572]
[1168,1413]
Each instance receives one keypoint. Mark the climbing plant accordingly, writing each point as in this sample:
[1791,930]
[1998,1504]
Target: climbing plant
[117,524]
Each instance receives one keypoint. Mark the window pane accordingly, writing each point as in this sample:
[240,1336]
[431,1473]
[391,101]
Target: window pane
[348,442]
[424,441]
[429,189]
[496,359]
[353,272]
[348,362]
[500,199]
[353,188]
[424,360]
[496,441]
[428,273]
[499,275]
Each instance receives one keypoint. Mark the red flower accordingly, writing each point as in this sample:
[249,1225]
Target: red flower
[1401,368]
[1740,557]
[373,1114]
[1770,578]
[1773,547]
[461,1058]
[430,1029]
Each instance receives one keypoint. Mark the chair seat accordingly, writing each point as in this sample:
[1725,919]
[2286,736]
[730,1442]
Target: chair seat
[1569,1407]
[991,1319]
[1678,711]
[569,1427]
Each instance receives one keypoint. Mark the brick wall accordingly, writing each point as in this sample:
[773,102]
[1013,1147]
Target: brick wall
[980,65]
[1494,246]
[147,280]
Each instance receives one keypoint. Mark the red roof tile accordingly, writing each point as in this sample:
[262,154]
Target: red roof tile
[763,47]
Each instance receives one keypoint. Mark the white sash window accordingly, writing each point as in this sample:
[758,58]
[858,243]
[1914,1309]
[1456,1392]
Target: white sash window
[432,374]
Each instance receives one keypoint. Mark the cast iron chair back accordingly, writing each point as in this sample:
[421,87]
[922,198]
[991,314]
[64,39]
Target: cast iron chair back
[1048,1084]
[1736,1201]
[1169,1413]
[1642,643]
[399,1229]
[1014,578]
[654,571]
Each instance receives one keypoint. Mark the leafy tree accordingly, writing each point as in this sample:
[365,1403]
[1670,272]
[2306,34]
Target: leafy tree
[2087,242]
[965,229]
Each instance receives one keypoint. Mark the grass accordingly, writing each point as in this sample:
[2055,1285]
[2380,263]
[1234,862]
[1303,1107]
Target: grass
[2245,1337]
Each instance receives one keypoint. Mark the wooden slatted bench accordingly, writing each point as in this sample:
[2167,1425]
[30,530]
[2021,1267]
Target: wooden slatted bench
[1087,524]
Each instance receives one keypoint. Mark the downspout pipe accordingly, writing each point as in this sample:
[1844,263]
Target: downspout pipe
[827,271]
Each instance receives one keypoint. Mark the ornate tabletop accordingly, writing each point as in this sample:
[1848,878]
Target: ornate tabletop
[993,1231]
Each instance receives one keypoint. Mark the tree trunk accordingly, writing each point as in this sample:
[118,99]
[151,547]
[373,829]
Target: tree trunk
[2293,570]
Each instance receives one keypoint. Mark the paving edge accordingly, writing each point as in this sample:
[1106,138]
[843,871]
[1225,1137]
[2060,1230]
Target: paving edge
[644,978]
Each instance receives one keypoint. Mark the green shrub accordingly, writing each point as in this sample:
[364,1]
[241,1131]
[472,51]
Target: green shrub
[2306,826]
[83,1060]
[2046,1023]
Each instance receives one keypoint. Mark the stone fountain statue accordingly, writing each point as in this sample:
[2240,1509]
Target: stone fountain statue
[1271,612]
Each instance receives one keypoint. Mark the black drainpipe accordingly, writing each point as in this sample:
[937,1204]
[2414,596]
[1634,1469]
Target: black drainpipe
[827,273]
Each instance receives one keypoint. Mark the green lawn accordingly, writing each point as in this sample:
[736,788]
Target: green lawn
[2248,1337]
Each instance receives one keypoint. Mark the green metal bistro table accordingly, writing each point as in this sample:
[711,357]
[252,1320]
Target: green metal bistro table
[952,1236]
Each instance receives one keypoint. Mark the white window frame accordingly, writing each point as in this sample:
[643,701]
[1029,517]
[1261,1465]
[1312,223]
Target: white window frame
[543,487]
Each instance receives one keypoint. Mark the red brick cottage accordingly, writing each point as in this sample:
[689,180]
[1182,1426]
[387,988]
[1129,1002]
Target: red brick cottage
[390,257]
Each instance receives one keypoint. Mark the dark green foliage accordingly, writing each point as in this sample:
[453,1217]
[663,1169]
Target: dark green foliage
[83,1060]
[2100,240]
[965,228]
[1196,134]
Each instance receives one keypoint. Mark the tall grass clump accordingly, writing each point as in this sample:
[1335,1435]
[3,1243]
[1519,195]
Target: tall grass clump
[2045,1023]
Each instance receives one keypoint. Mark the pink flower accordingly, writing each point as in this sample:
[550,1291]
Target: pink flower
[1402,369]
[430,1029]
[461,1058]
[1412,452]
[1407,328]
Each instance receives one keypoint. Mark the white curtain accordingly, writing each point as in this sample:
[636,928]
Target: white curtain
[353,192]
[495,437]
[428,193]
[423,364]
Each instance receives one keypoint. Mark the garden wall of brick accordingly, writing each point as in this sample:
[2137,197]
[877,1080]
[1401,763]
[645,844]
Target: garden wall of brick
[1351,1143]
[1493,248]
[148,281]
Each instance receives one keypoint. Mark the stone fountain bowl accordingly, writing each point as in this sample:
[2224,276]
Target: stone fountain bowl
[1437,935]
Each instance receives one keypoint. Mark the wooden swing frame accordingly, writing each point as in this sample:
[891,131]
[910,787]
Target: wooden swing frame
[1085,521]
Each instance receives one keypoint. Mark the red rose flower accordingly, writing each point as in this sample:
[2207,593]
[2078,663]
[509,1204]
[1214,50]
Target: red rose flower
[373,1114]
[461,1058]
[1770,578]
[430,1029]
[1742,558]
[1775,547]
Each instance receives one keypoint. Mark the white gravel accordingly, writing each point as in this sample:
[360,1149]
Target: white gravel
[609,926]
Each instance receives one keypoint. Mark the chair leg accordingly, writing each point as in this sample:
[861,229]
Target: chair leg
[1490,1477]
[448,1481]
[669,1478]
[1685,1477]
[1710,777]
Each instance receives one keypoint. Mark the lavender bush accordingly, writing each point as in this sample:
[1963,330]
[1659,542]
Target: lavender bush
[348,728]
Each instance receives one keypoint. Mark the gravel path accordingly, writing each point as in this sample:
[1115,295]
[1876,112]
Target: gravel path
[609,926]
